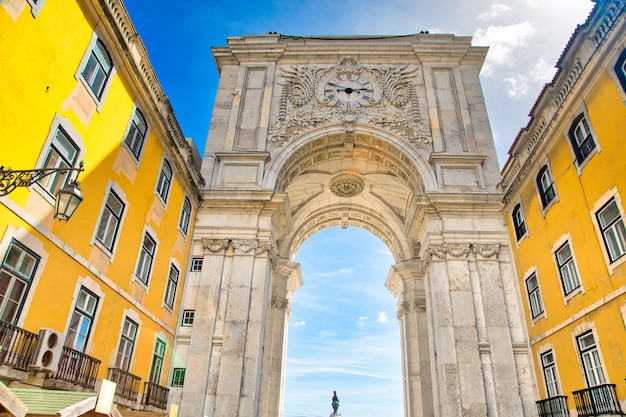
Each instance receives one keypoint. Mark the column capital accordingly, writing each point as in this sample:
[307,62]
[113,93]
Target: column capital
[457,250]
[402,272]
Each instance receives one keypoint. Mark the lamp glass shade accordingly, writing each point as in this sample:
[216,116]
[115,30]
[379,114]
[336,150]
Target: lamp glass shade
[67,201]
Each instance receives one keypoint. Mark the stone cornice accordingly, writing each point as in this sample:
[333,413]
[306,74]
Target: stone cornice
[582,48]
[135,59]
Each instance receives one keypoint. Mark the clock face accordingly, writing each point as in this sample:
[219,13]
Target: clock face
[349,91]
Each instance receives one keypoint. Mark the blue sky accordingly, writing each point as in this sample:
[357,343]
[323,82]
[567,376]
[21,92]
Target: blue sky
[344,332]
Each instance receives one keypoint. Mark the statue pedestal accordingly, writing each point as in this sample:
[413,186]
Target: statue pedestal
[335,415]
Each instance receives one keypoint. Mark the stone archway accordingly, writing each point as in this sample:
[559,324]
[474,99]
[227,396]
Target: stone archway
[389,134]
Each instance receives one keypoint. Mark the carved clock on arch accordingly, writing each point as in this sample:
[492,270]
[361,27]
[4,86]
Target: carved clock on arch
[348,85]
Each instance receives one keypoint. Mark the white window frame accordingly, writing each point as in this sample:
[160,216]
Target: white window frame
[536,296]
[82,313]
[540,190]
[171,287]
[158,189]
[581,111]
[35,6]
[111,187]
[95,288]
[147,231]
[598,205]
[18,276]
[187,318]
[58,122]
[550,370]
[591,354]
[558,245]
[79,72]
[521,237]
[620,72]
[131,124]
[184,220]
[196,264]
[124,338]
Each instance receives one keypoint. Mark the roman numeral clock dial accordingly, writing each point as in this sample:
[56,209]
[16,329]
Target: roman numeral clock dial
[350,91]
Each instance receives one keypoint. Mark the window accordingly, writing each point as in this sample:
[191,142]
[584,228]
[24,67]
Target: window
[110,220]
[549,374]
[157,361]
[127,345]
[581,138]
[165,179]
[188,317]
[545,185]
[196,264]
[612,227]
[16,274]
[170,287]
[146,256]
[567,268]
[185,215]
[590,356]
[97,70]
[136,135]
[620,69]
[534,296]
[62,153]
[518,222]
[178,377]
[82,320]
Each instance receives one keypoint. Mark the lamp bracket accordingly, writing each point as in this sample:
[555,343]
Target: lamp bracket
[11,179]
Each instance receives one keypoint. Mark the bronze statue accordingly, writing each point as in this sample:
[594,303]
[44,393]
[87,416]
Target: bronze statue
[335,403]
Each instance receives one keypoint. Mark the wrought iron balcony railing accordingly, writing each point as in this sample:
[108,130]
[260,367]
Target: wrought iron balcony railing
[597,401]
[17,346]
[127,384]
[77,368]
[553,407]
[155,395]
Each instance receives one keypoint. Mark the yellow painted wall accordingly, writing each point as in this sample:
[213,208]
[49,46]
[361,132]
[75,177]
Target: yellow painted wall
[37,81]
[573,213]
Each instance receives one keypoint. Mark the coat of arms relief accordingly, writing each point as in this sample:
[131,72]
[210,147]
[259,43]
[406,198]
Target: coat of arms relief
[349,93]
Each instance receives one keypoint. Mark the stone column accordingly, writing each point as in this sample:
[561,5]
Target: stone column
[231,305]
[287,278]
[406,281]
[475,345]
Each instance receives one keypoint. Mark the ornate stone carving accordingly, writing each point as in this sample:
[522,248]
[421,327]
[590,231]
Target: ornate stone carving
[447,251]
[413,305]
[216,245]
[346,186]
[394,104]
[279,302]
[486,251]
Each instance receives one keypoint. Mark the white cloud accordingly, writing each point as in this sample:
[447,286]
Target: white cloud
[383,317]
[299,323]
[496,10]
[504,42]
[519,85]
[361,321]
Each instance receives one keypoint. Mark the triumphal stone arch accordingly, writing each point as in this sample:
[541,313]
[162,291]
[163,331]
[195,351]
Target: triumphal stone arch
[389,134]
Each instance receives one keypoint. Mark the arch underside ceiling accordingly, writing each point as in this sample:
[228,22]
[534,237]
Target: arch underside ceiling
[350,179]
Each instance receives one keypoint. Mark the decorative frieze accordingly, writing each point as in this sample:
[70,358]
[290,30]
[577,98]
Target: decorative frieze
[384,96]
[240,247]
[461,250]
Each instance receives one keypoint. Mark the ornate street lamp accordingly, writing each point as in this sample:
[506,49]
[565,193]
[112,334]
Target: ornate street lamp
[67,199]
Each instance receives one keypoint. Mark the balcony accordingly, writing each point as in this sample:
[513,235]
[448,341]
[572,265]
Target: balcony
[553,407]
[127,384]
[155,395]
[17,346]
[597,401]
[77,368]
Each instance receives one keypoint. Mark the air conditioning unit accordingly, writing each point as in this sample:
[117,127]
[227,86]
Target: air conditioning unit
[48,351]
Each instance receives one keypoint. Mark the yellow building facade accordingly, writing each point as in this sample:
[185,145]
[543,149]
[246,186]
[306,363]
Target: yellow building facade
[77,88]
[565,195]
